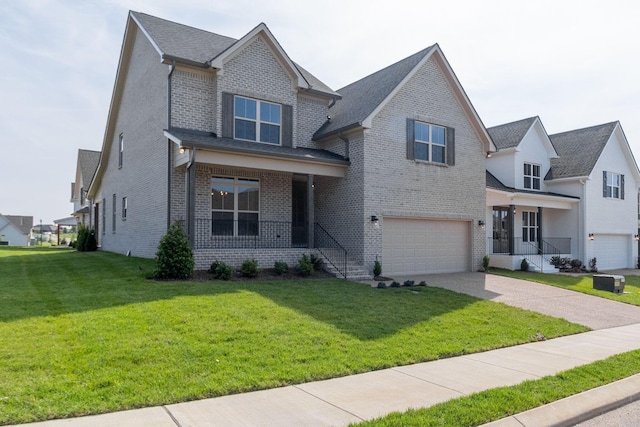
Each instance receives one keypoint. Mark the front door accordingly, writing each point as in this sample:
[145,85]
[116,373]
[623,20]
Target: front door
[501,230]
[299,217]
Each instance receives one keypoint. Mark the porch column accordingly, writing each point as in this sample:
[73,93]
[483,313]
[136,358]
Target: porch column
[191,198]
[512,221]
[540,229]
[310,211]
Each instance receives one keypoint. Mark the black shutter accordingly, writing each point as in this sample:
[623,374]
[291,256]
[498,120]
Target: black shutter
[287,126]
[227,115]
[604,183]
[451,146]
[622,187]
[411,136]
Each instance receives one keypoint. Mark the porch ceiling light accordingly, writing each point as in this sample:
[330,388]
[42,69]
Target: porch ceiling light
[591,236]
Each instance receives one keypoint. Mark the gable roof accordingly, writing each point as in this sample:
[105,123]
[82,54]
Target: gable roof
[360,99]
[509,135]
[200,48]
[363,99]
[578,150]
[496,184]
[88,163]
[22,223]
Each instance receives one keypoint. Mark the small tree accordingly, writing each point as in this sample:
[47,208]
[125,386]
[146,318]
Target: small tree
[174,257]
[377,268]
[485,263]
[524,265]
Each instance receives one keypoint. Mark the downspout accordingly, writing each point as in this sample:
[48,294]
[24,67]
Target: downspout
[191,196]
[172,68]
[582,222]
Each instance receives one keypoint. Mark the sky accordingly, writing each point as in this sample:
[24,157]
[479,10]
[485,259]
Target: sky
[572,63]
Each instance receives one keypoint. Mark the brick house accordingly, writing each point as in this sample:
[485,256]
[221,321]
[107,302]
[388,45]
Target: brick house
[260,159]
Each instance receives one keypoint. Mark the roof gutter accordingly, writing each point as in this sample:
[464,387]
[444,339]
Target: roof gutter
[166,59]
[337,131]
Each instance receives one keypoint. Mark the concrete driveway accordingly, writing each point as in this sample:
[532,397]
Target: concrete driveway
[594,312]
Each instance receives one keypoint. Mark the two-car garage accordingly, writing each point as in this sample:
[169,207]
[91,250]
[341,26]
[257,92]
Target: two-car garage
[423,246]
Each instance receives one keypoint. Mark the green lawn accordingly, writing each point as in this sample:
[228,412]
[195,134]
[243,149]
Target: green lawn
[582,284]
[498,403]
[84,333]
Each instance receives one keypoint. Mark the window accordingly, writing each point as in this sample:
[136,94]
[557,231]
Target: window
[120,150]
[531,176]
[103,206]
[429,142]
[124,208]
[613,185]
[257,120]
[530,226]
[235,206]
[113,214]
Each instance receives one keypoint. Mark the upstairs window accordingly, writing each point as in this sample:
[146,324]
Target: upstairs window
[612,185]
[430,142]
[531,176]
[257,120]
[120,150]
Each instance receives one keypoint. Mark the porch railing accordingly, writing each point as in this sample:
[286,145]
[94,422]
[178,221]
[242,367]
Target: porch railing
[241,234]
[550,246]
[334,253]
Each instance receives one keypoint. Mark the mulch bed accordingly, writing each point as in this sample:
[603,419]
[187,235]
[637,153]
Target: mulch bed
[265,274]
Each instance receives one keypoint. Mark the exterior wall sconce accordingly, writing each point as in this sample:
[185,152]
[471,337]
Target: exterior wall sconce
[181,149]
[636,237]
[375,221]
[488,154]
[591,236]
[481,223]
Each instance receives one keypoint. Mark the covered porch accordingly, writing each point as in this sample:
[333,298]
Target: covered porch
[530,225]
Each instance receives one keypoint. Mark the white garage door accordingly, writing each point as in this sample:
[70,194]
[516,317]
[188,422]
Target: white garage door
[418,246]
[611,251]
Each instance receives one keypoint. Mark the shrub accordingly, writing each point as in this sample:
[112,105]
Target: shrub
[422,283]
[409,282]
[92,243]
[82,238]
[223,271]
[377,268]
[555,261]
[174,257]
[249,268]
[576,263]
[305,266]
[592,265]
[395,284]
[316,261]
[524,265]
[564,262]
[213,267]
[485,262]
[382,285]
[280,267]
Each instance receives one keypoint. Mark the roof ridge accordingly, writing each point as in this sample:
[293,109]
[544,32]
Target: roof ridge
[585,128]
[514,122]
[182,25]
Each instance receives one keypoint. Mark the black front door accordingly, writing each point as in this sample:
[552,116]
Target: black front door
[299,217]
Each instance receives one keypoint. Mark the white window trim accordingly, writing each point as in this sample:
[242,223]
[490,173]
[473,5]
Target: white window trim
[257,120]
[610,193]
[120,150]
[236,211]
[529,226]
[430,144]
[125,207]
[532,177]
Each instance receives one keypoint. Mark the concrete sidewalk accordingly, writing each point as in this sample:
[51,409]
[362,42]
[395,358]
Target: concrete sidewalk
[340,401]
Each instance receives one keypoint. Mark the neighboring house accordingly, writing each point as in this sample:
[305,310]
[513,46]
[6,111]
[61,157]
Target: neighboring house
[86,166]
[15,229]
[572,194]
[259,159]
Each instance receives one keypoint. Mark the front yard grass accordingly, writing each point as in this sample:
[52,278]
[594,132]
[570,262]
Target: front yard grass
[85,333]
[582,283]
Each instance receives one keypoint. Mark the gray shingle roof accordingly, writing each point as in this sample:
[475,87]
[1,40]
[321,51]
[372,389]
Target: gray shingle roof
[360,99]
[578,150]
[510,134]
[88,161]
[193,45]
[495,183]
[23,223]
[208,140]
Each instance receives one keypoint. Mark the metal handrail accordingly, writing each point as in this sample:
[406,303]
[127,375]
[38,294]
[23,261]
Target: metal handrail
[330,248]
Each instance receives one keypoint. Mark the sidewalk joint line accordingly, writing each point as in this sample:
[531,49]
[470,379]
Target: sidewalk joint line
[328,403]
[171,416]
